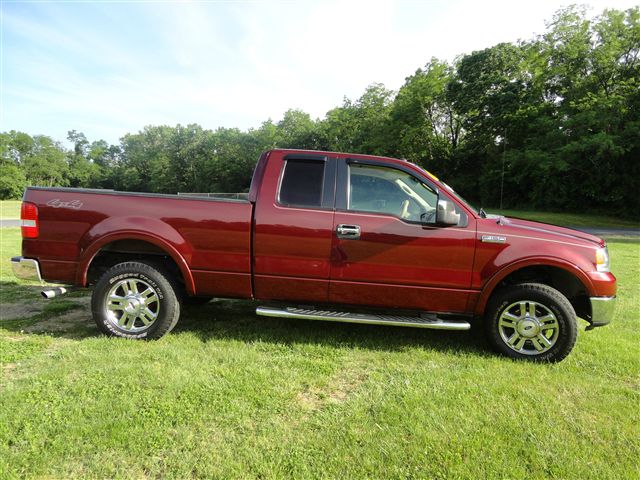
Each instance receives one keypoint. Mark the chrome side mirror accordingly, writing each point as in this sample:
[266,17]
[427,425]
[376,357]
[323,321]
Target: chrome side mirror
[446,215]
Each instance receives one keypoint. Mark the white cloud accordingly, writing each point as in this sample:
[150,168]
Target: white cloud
[111,69]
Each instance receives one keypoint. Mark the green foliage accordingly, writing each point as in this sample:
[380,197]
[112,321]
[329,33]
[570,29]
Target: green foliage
[561,111]
[559,114]
[298,130]
[12,180]
[426,127]
[46,164]
[361,125]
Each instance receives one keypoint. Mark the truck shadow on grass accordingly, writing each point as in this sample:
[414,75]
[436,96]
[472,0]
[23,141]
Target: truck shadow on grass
[236,319]
[12,292]
[69,317]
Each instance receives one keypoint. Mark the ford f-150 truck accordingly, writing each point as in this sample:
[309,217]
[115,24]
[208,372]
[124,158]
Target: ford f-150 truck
[322,236]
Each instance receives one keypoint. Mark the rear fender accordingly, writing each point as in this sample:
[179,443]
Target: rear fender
[112,229]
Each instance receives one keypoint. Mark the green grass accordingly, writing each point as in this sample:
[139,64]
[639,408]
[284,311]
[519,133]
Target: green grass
[570,219]
[11,288]
[230,395]
[9,209]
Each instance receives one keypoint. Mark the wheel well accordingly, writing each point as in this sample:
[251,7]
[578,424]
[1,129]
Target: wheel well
[562,280]
[127,251]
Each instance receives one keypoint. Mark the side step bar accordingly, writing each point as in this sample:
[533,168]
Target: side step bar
[424,321]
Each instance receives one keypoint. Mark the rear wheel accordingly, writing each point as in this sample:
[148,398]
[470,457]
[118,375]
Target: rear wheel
[135,300]
[531,321]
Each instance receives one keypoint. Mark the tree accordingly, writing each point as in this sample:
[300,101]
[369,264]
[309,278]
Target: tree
[362,125]
[46,164]
[594,78]
[15,146]
[12,180]
[426,128]
[298,130]
[80,142]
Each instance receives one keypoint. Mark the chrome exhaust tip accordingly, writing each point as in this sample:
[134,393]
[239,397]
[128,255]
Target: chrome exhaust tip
[54,292]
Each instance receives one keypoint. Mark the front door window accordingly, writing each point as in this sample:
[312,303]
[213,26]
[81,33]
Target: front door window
[390,191]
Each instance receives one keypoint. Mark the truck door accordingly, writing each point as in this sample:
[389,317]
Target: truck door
[384,252]
[293,228]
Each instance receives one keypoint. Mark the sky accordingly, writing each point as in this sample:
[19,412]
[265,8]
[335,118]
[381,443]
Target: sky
[110,68]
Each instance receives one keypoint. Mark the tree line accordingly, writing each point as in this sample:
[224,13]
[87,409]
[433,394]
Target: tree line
[549,123]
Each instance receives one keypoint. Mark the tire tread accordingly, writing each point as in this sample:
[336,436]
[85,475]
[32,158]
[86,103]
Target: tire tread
[159,275]
[568,325]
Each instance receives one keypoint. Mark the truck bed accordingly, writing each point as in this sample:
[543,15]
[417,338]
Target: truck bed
[210,236]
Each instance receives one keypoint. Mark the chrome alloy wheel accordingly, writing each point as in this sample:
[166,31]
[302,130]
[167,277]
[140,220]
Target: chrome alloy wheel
[132,305]
[528,327]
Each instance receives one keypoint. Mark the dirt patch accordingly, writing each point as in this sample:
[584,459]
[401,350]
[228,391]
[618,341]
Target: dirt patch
[308,400]
[337,390]
[14,338]
[13,311]
[62,323]
[84,301]
[7,369]
[70,320]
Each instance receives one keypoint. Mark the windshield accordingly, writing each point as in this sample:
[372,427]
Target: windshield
[459,197]
[452,191]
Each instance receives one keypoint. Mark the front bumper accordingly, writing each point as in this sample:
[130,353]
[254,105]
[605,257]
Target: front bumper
[602,309]
[26,268]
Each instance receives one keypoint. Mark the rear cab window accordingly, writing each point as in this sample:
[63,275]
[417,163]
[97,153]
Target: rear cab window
[307,183]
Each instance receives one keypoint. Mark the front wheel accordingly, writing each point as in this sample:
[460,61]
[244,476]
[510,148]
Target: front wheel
[135,300]
[531,321]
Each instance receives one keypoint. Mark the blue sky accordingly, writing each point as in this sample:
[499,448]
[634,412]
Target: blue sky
[108,68]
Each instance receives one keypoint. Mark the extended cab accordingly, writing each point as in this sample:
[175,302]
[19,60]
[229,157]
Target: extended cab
[322,236]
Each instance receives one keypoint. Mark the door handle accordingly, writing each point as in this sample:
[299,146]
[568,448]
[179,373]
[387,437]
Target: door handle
[348,232]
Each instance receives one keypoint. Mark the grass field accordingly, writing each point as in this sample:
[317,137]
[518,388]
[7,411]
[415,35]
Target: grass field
[10,209]
[229,395]
[571,219]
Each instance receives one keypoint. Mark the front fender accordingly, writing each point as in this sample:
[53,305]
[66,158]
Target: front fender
[145,229]
[497,277]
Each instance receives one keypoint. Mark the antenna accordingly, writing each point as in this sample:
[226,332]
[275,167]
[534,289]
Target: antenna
[504,150]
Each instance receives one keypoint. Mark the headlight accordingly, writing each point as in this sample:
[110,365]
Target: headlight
[602,259]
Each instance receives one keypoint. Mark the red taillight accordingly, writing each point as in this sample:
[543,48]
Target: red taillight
[29,216]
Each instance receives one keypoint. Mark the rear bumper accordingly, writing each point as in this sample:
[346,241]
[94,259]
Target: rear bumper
[602,309]
[26,268]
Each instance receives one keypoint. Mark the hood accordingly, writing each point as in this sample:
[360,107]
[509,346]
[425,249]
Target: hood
[548,229]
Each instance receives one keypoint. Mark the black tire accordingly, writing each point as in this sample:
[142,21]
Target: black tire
[138,309]
[544,323]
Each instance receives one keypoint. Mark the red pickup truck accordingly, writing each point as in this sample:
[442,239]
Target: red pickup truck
[322,236]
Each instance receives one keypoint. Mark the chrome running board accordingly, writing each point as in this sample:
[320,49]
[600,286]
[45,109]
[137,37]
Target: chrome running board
[423,321]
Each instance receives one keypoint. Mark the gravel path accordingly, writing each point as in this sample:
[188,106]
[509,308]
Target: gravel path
[9,223]
[627,232]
